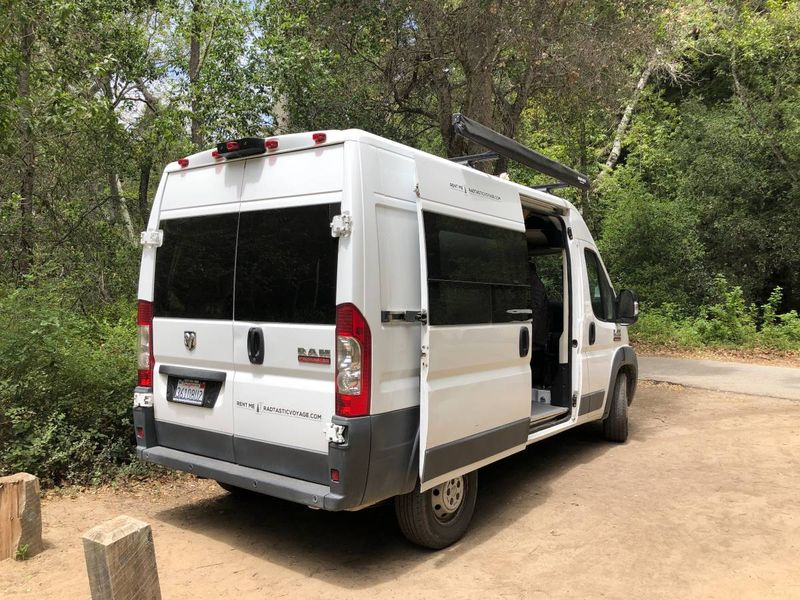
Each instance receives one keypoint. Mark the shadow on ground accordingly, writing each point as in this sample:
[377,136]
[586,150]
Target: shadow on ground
[362,549]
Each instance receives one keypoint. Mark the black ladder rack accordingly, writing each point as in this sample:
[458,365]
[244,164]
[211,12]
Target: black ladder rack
[504,146]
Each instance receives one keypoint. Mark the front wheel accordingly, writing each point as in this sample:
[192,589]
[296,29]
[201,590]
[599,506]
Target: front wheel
[440,516]
[615,426]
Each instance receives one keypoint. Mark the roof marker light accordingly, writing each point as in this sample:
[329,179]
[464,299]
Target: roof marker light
[320,137]
[216,155]
[183,162]
[271,144]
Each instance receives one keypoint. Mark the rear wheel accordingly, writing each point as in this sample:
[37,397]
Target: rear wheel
[236,491]
[440,516]
[615,426]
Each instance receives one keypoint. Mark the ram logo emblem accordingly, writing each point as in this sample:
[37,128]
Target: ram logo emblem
[320,357]
[189,340]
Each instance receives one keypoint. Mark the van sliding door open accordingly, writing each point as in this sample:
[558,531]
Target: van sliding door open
[475,374]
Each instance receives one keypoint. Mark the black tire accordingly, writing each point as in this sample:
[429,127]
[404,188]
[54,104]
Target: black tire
[615,426]
[236,491]
[421,518]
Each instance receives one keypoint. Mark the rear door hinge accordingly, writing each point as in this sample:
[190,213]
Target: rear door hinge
[574,399]
[342,225]
[406,316]
[335,433]
[152,238]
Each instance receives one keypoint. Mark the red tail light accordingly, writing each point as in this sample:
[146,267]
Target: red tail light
[353,362]
[232,145]
[144,320]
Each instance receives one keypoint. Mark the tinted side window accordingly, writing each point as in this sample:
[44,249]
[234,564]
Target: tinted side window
[286,265]
[602,295]
[194,268]
[476,273]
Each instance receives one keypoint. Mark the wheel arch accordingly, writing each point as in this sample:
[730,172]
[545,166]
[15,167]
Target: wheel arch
[624,362]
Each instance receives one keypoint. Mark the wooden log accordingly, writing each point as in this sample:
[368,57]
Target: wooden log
[121,560]
[20,516]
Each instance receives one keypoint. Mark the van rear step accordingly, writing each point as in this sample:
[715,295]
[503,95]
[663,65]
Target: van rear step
[544,412]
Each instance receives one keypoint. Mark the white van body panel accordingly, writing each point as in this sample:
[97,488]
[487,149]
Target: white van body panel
[197,188]
[216,353]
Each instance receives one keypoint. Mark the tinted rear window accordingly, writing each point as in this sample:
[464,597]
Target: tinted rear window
[286,265]
[194,268]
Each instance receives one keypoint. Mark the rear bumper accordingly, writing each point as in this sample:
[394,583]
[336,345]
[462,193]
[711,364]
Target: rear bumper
[271,484]
[377,461]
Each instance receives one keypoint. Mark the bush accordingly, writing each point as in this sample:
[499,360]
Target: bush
[779,331]
[65,385]
[731,322]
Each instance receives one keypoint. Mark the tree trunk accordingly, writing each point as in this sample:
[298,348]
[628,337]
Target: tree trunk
[25,132]
[280,113]
[624,122]
[119,210]
[144,186]
[194,70]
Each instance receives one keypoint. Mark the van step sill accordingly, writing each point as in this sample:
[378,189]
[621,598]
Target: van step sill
[544,412]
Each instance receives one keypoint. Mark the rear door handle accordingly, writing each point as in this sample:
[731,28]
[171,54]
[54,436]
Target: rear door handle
[524,342]
[255,345]
[592,333]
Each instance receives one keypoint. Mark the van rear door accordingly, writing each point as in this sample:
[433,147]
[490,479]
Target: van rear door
[285,312]
[475,397]
[193,310]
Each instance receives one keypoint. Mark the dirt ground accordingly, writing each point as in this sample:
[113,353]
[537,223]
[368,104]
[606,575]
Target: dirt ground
[702,502]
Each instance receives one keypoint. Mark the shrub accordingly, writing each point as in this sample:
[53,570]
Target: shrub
[730,322]
[779,331]
[65,384]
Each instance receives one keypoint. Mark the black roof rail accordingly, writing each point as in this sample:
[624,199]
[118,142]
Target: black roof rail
[505,146]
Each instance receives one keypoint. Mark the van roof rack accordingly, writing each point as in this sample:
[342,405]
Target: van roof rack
[508,148]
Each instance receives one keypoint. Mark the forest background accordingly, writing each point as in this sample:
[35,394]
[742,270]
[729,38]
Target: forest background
[686,115]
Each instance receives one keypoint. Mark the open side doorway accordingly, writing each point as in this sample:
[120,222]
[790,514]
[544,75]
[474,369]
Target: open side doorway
[552,304]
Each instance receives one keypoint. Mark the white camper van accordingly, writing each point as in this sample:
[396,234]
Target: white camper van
[337,319]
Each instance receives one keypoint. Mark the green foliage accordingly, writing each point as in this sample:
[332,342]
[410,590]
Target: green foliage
[65,385]
[779,331]
[728,322]
[651,244]
[22,552]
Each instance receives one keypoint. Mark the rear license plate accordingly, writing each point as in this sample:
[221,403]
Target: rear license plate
[189,391]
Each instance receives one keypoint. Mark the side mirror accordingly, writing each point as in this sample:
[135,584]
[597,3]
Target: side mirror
[627,308]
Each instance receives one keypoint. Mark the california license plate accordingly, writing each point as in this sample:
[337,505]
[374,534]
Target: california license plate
[189,391]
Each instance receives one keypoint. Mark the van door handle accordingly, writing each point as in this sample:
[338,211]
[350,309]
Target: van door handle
[524,342]
[592,333]
[255,345]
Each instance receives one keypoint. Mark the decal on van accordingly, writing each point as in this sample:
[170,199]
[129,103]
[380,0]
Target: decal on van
[320,357]
[265,409]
